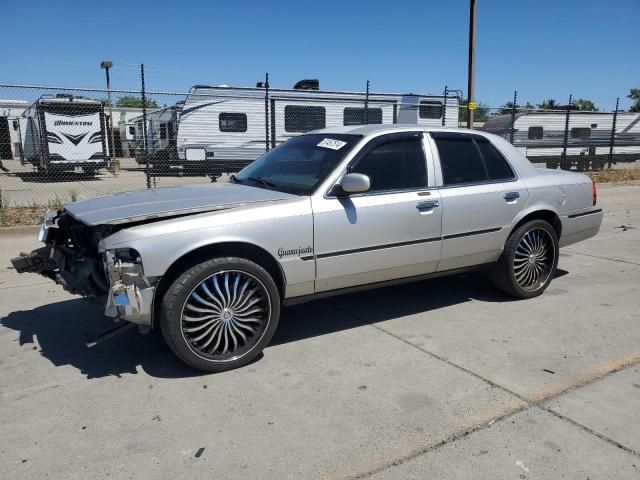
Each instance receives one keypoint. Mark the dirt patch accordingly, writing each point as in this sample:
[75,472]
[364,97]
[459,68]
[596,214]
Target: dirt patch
[11,216]
[622,175]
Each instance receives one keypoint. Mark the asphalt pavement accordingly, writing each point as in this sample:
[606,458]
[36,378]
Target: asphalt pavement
[445,378]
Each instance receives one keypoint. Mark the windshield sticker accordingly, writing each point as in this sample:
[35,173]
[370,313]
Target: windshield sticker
[332,143]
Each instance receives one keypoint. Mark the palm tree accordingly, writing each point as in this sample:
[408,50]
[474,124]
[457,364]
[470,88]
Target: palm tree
[507,108]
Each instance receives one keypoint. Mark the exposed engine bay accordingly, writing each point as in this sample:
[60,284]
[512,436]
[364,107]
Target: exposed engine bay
[71,257]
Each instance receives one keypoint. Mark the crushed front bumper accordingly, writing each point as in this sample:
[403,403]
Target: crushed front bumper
[115,275]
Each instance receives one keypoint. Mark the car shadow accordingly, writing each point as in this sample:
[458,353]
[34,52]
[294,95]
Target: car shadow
[63,329]
[61,177]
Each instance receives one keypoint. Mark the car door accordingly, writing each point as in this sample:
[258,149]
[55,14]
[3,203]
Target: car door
[481,195]
[392,230]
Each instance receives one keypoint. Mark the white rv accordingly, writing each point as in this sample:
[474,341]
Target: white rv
[222,129]
[540,136]
[65,134]
[160,141]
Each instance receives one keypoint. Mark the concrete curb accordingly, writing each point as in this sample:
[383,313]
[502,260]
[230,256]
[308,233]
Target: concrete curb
[19,230]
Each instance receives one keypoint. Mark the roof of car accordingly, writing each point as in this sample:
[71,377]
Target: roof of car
[372,129]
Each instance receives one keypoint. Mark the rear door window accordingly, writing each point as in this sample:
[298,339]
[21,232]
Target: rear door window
[470,159]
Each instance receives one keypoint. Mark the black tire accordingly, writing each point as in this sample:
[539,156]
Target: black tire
[180,297]
[552,165]
[504,273]
[583,165]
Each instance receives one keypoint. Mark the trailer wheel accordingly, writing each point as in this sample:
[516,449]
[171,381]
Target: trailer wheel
[597,165]
[552,165]
[565,164]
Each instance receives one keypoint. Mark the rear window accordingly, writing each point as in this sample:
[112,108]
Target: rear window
[430,109]
[535,133]
[581,132]
[356,116]
[232,122]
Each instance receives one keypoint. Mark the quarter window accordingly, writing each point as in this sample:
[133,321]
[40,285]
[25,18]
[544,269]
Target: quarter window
[430,110]
[232,122]
[581,132]
[535,133]
[304,118]
[355,116]
[497,166]
[470,159]
[396,165]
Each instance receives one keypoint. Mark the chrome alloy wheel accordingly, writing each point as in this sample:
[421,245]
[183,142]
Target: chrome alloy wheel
[534,259]
[225,315]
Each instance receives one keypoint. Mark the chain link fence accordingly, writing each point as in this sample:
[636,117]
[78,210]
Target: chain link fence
[65,144]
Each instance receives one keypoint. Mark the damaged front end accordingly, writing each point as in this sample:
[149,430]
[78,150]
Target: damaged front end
[72,258]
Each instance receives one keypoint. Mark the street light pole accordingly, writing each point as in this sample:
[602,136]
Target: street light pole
[107,64]
[472,60]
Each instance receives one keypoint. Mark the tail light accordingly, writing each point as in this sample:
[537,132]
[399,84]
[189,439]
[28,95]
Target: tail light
[595,193]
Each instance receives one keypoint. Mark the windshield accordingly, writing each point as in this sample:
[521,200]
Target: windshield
[299,165]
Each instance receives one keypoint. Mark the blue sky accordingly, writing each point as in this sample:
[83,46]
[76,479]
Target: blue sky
[545,49]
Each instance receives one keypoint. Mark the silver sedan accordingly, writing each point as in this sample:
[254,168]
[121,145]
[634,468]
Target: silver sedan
[324,213]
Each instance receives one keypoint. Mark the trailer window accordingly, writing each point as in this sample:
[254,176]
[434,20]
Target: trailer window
[132,131]
[304,118]
[535,133]
[355,116]
[581,132]
[430,110]
[163,131]
[233,122]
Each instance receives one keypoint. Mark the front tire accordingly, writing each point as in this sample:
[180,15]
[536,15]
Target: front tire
[529,260]
[220,314]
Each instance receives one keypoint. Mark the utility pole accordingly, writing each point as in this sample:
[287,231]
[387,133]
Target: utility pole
[472,62]
[107,64]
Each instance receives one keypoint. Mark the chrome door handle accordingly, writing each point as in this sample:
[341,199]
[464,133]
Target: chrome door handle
[510,196]
[427,205]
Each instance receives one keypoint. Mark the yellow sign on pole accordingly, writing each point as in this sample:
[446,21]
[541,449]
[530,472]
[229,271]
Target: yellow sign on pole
[472,105]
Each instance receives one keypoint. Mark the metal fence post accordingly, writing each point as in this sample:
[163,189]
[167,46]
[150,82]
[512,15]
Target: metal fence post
[513,116]
[613,133]
[147,170]
[366,105]
[563,159]
[444,106]
[266,112]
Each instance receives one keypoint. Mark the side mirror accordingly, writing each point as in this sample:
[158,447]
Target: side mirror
[355,183]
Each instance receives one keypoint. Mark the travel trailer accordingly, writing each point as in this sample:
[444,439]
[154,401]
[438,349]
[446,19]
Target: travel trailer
[160,141]
[540,136]
[65,134]
[222,129]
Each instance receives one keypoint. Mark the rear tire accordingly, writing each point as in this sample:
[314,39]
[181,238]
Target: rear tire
[529,260]
[220,314]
